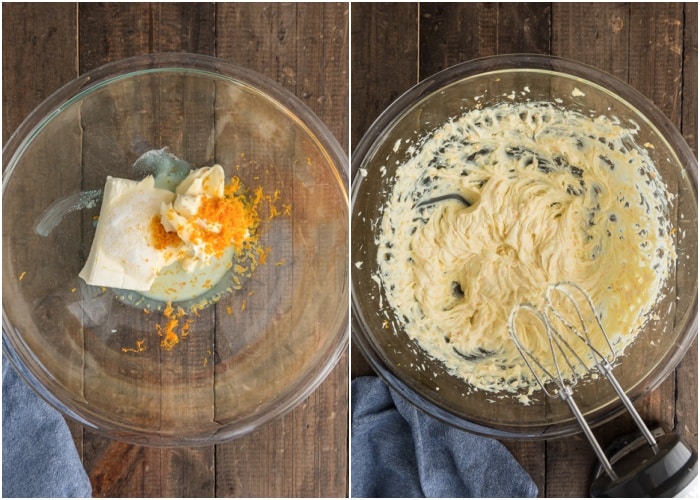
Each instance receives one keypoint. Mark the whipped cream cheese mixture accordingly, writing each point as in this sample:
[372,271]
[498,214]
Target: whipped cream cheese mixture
[551,195]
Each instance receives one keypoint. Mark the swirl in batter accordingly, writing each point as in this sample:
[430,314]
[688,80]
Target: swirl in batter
[549,195]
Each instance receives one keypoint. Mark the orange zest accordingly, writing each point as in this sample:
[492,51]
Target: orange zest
[220,223]
[235,217]
[140,347]
[160,238]
[169,331]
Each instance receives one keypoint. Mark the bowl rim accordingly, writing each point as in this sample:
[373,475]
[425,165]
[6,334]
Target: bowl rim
[225,70]
[528,62]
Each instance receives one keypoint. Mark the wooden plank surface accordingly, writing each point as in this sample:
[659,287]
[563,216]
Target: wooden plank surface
[653,47]
[304,47]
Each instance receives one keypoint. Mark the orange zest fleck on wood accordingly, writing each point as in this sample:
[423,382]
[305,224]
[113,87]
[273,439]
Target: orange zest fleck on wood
[140,347]
[169,331]
[262,254]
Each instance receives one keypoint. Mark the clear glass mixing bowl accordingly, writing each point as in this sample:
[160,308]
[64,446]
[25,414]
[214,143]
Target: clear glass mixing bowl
[264,346]
[484,82]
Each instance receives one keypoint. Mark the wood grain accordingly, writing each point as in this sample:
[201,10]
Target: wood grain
[384,56]
[687,372]
[597,37]
[689,104]
[37,29]
[457,33]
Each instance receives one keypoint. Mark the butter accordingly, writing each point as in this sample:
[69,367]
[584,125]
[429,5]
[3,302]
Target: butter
[122,254]
[180,215]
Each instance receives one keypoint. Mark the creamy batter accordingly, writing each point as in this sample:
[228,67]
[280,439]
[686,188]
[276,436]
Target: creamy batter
[550,195]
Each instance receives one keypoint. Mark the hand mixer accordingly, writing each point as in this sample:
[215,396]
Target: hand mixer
[576,344]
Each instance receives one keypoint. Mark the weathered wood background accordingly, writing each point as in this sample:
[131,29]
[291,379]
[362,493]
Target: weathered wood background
[304,47]
[653,47]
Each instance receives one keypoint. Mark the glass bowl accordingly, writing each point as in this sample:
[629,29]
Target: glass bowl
[393,138]
[94,352]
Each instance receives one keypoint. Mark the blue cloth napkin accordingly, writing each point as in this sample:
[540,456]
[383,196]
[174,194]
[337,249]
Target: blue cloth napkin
[39,458]
[399,451]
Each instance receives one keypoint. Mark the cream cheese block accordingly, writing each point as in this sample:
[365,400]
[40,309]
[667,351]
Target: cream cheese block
[122,253]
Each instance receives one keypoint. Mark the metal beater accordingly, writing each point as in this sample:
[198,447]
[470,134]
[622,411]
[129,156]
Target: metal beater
[665,467]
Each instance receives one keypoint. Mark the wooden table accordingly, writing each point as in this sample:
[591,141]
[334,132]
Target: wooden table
[653,47]
[304,47]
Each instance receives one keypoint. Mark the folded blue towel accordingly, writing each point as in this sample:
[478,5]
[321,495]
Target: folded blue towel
[399,451]
[39,458]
